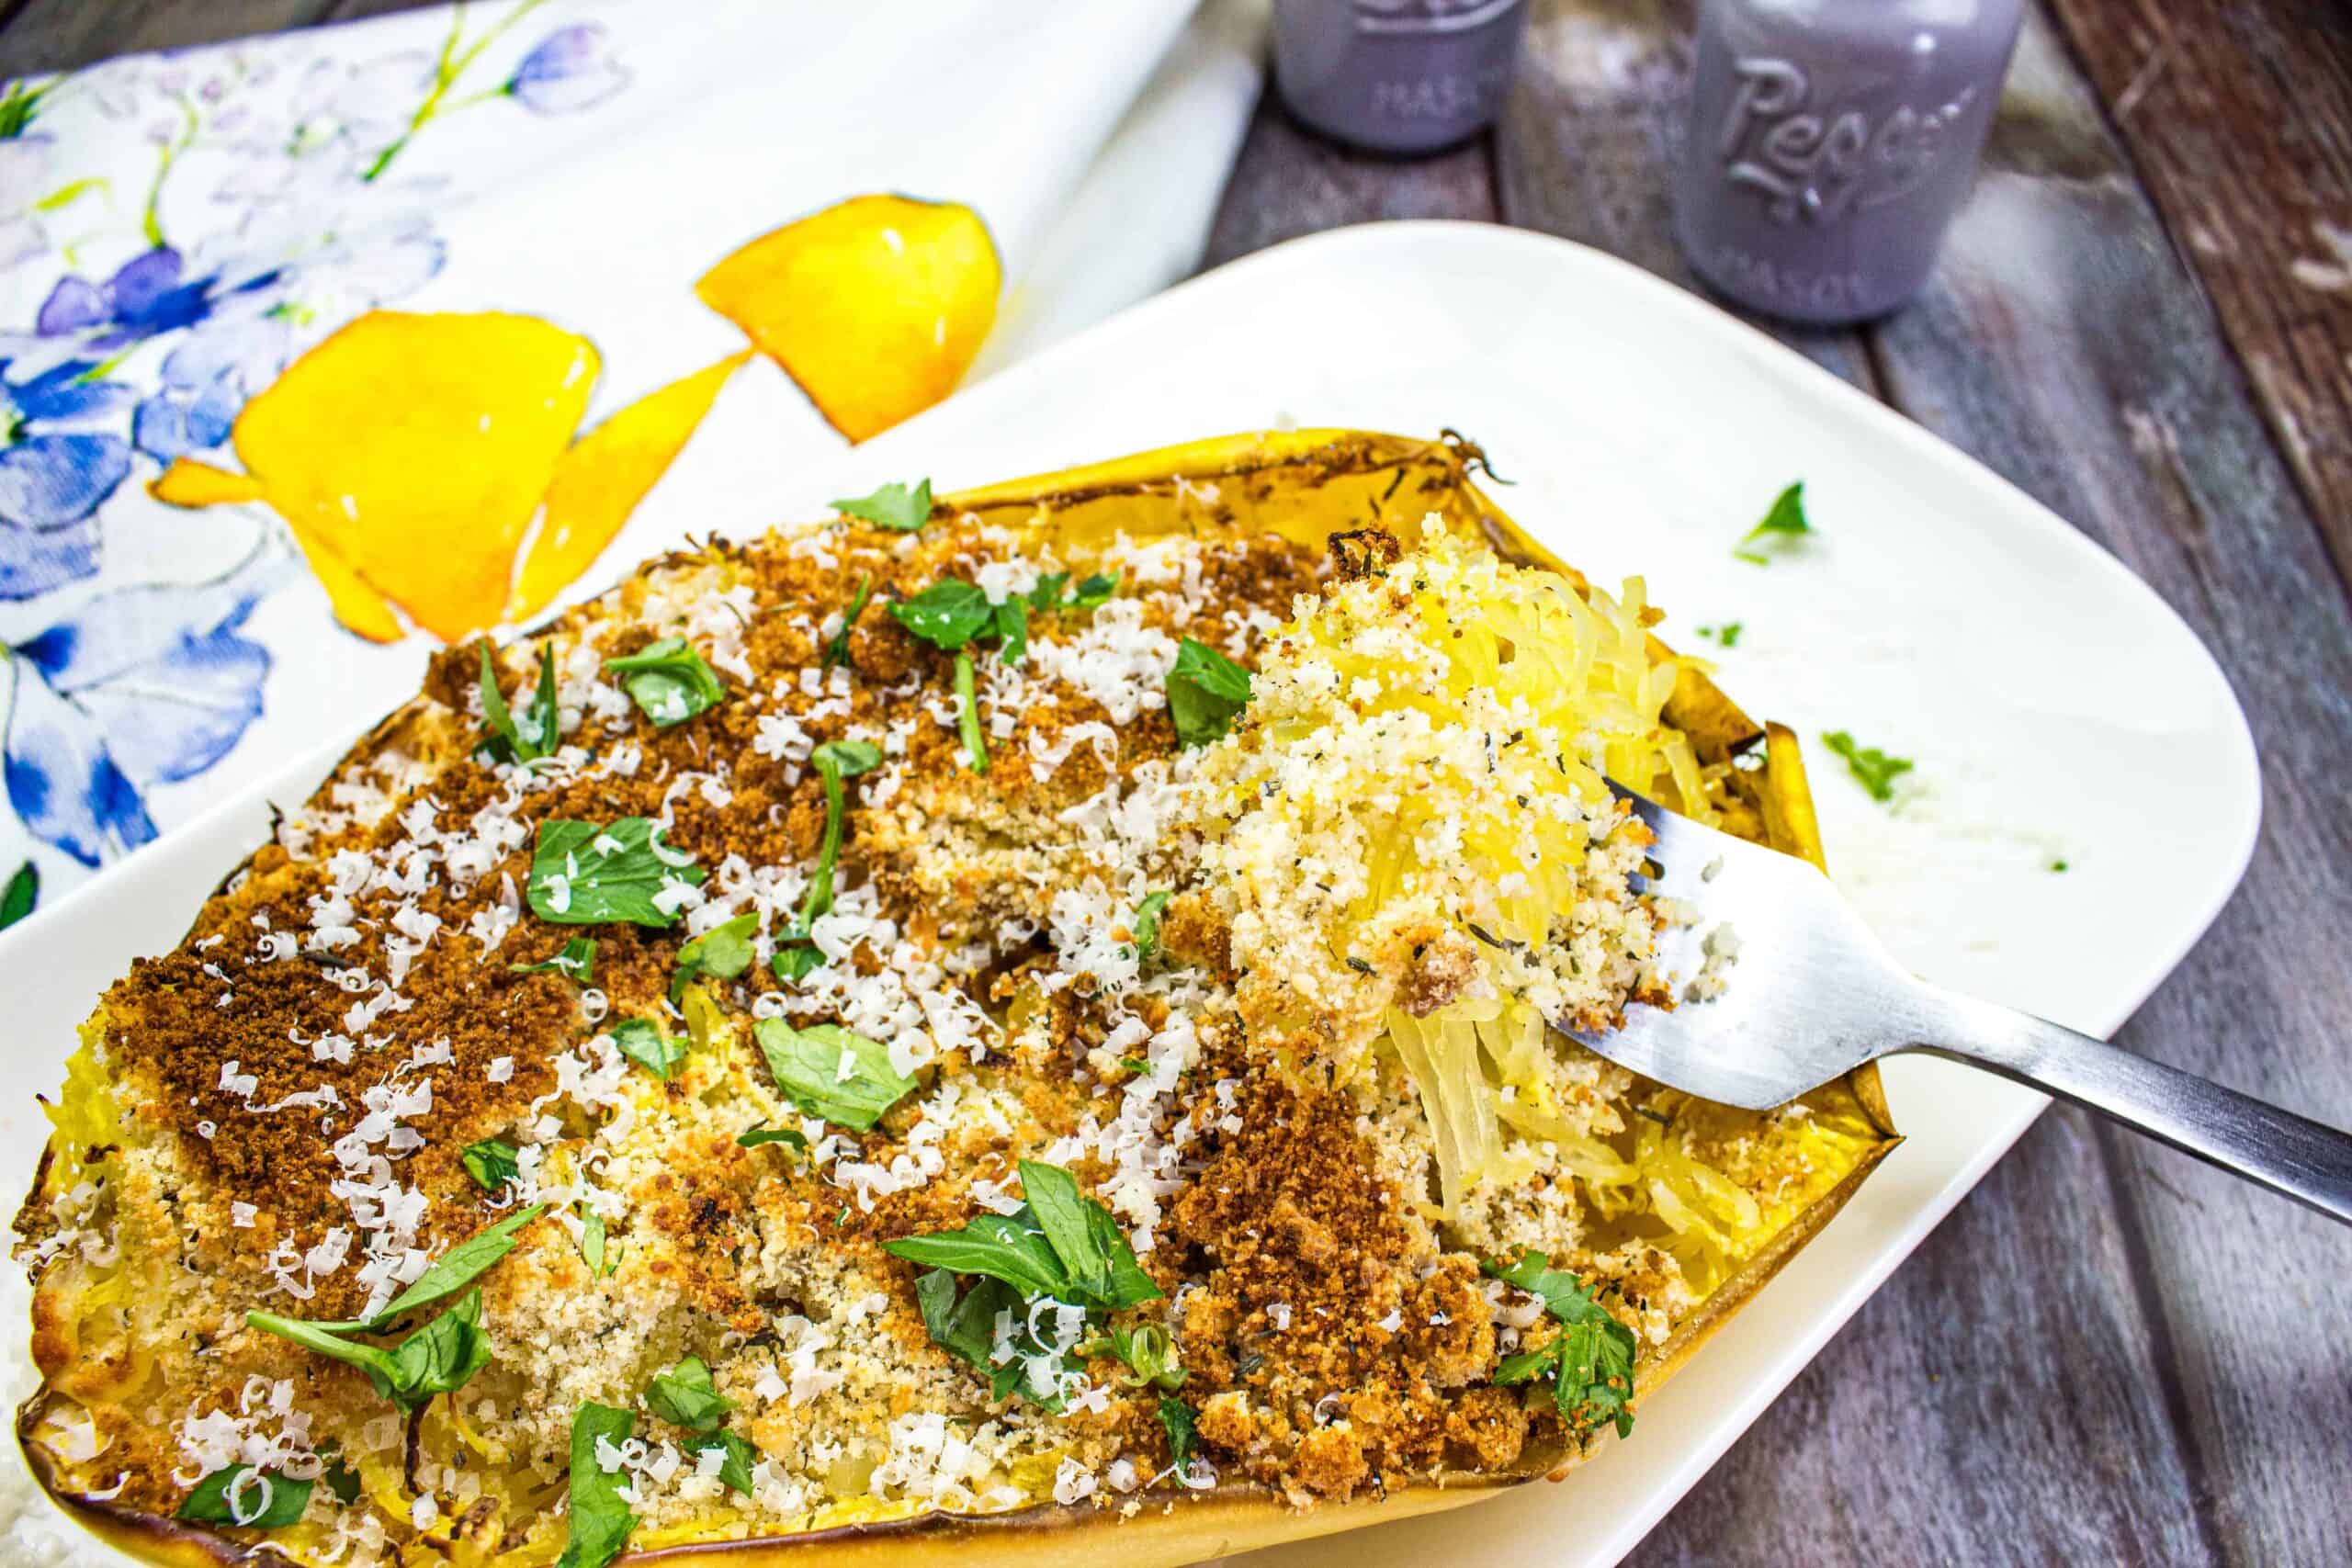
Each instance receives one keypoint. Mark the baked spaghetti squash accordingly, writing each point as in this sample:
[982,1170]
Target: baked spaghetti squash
[987,1018]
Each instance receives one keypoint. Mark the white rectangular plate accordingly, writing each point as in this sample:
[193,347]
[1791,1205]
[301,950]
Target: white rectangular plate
[2056,710]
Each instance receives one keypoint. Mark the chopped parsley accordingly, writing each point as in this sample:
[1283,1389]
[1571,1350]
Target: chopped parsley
[600,1520]
[490,1162]
[439,1358]
[269,1501]
[1059,1245]
[1784,523]
[583,875]
[827,1071]
[1589,1361]
[1206,692]
[1726,635]
[722,952]
[643,1042]
[836,761]
[760,1132]
[837,645]
[1146,924]
[1176,1416]
[684,1396]
[1872,768]
[577,960]
[509,740]
[668,681]
[893,506]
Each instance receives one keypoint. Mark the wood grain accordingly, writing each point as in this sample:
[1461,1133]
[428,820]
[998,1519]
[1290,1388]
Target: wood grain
[41,36]
[1288,181]
[2239,120]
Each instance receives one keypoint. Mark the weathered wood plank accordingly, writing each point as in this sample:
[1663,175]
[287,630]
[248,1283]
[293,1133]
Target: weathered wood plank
[1289,181]
[1990,1405]
[2239,119]
[1592,133]
[2065,343]
[62,35]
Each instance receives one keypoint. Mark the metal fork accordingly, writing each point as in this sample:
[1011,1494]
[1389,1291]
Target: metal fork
[1812,995]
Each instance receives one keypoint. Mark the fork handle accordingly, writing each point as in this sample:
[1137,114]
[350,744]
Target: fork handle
[2304,1159]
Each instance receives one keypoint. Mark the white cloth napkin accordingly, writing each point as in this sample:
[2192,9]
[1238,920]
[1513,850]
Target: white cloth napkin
[182,236]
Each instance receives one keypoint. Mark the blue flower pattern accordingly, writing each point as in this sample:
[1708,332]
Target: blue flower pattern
[131,687]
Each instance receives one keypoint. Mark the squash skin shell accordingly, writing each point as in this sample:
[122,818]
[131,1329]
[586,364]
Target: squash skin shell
[1305,485]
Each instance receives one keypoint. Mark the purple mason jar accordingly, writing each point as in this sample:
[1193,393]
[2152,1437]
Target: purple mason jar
[1397,75]
[1831,141]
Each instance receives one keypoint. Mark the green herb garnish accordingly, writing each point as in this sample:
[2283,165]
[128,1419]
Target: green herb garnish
[509,741]
[275,1500]
[341,1480]
[591,1243]
[451,1272]
[723,952]
[1149,1353]
[490,1162]
[1786,521]
[836,761]
[1873,769]
[760,1132]
[1176,1416]
[1726,635]
[439,1358]
[668,681]
[684,1396]
[736,1469]
[576,962]
[2057,866]
[1146,924]
[951,614]
[600,1521]
[1205,691]
[22,892]
[837,645]
[807,1065]
[643,1042]
[1589,1358]
[583,875]
[1060,1245]
[893,506]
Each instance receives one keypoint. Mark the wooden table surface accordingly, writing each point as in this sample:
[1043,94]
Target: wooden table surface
[2142,318]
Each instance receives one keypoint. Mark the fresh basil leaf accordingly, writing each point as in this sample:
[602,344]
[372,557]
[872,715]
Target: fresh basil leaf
[643,1042]
[1589,1359]
[452,1271]
[723,951]
[1130,1286]
[1011,623]
[509,740]
[893,506]
[669,681]
[442,1356]
[846,757]
[754,1136]
[600,1521]
[736,1469]
[1060,1210]
[808,1065]
[999,1246]
[576,962]
[343,1481]
[271,1501]
[325,1340]
[1176,1418]
[1094,591]
[684,1396]
[1785,520]
[948,615]
[1205,691]
[797,962]
[1872,768]
[591,1243]
[1045,594]
[837,645]
[490,1162]
[583,875]
[1146,924]
[966,1327]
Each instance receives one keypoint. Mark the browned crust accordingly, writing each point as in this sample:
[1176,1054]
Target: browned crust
[1224,1519]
